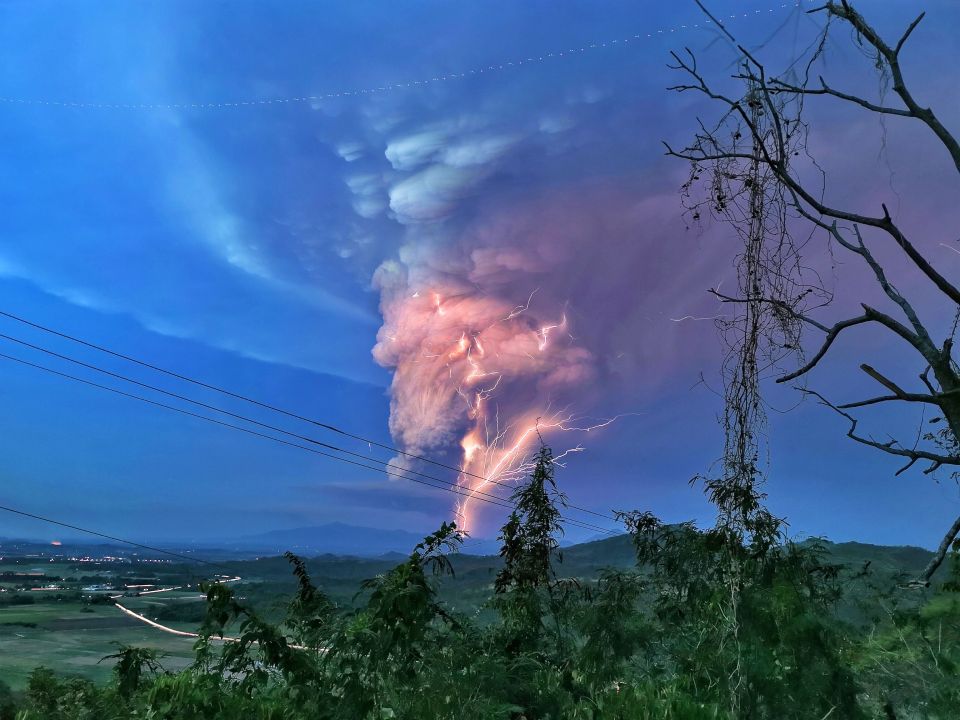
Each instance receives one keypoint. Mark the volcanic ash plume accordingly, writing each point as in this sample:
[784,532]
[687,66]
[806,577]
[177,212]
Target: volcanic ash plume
[474,369]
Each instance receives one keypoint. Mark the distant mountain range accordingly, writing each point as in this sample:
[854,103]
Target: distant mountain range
[339,542]
[584,558]
[343,539]
[469,587]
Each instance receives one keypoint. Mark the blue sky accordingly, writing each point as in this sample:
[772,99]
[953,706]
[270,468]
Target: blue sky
[248,245]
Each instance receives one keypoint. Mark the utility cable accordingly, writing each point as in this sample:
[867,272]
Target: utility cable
[478,71]
[475,494]
[244,398]
[99,534]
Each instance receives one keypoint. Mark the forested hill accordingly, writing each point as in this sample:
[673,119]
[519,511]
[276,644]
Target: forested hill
[618,552]
[341,576]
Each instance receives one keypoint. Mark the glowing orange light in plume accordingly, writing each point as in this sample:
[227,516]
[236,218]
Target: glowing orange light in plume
[466,364]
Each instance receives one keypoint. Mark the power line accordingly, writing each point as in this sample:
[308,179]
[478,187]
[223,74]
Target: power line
[262,424]
[478,71]
[239,417]
[475,494]
[217,422]
[97,533]
[257,422]
[199,403]
[244,398]
[449,487]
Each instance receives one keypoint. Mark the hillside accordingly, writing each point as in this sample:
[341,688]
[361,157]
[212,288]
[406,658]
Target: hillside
[341,577]
[61,630]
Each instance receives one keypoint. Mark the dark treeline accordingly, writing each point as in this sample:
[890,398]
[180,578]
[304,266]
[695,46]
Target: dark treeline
[710,624]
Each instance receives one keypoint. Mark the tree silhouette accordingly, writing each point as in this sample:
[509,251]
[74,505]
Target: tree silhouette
[753,169]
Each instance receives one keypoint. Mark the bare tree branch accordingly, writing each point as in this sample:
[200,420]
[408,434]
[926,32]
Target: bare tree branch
[779,86]
[885,381]
[772,301]
[754,144]
[755,73]
[936,460]
[924,344]
[939,555]
[832,334]
[846,12]
[906,397]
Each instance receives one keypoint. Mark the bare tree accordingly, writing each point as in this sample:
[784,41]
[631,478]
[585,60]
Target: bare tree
[752,168]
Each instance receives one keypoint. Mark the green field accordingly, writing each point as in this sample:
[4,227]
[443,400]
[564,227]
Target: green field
[73,639]
[59,630]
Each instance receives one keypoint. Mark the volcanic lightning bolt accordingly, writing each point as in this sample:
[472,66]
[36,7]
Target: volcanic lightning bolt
[471,369]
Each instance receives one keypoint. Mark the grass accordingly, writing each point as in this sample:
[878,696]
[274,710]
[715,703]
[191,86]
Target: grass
[74,642]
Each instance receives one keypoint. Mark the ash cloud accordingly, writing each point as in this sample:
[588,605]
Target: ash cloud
[523,288]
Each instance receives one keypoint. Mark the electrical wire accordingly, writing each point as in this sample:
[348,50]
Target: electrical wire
[244,398]
[475,494]
[113,538]
[478,71]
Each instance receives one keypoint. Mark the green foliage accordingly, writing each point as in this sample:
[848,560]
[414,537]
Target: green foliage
[530,536]
[524,587]
[660,641]
[310,612]
[260,654]
[131,666]
[8,705]
[777,649]
[910,655]
[611,627]
[51,698]
[393,638]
